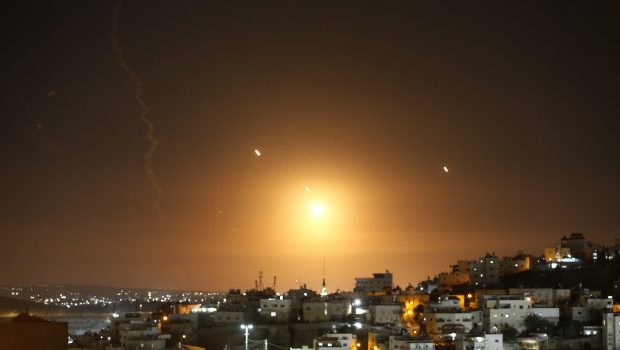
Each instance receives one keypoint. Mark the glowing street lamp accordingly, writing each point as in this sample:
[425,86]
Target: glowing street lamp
[181,340]
[247,333]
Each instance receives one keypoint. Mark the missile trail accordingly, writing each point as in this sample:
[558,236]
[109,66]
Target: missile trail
[144,115]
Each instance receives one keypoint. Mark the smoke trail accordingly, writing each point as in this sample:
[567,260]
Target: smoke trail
[150,127]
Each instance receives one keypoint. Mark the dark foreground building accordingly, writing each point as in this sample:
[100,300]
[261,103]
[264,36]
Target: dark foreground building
[26,332]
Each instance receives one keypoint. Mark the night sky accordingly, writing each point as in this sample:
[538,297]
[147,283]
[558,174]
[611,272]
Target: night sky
[361,102]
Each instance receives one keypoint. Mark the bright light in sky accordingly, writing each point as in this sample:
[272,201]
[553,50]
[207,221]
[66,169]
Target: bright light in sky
[257,152]
[317,209]
[307,189]
[445,168]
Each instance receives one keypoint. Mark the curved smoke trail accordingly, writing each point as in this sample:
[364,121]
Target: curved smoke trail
[150,127]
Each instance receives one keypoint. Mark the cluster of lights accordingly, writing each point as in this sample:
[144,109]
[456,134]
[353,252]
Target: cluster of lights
[63,296]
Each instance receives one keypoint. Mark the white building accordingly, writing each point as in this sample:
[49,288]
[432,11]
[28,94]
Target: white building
[386,313]
[446,303]
[479,342]
[441,324]
[408,343]
[500,310]
[336,341]
[611,331]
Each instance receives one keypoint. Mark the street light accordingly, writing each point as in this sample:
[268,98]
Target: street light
[183,337]
[247,333]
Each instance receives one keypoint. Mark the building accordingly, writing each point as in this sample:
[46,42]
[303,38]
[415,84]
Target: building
[578,313]
[299,295]
[572,249]
[386,313]
[611,331]
[378,284]
[515,264]
[26,332]
[128,318]
[181,308]
[336,341]
[228,317]
[441,324]
[130,331]
[484,271]
[537,296]
[457,276]
[410,343]
[378,340]
[446,303]
[326,310]
[500,310]
[181,326]
[479,342]
[551,314]
[275,310]
[602,304]
[138,330]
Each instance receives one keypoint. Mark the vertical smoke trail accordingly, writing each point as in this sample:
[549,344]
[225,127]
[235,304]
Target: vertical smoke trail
[150,127]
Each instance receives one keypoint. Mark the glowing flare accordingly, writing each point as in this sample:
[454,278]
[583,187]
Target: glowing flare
[257,152]
[445,168]
[317,209]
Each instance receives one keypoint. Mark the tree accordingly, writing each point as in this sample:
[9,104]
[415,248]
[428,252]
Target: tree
[417,311]
[509,332]
[536,324]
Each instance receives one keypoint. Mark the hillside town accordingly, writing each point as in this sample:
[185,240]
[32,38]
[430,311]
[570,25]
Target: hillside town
[566,298]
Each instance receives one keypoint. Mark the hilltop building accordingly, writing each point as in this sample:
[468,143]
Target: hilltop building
[484,271]
[378,284]
[575,248]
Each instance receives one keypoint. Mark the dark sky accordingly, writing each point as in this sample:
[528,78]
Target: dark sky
[363,102]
